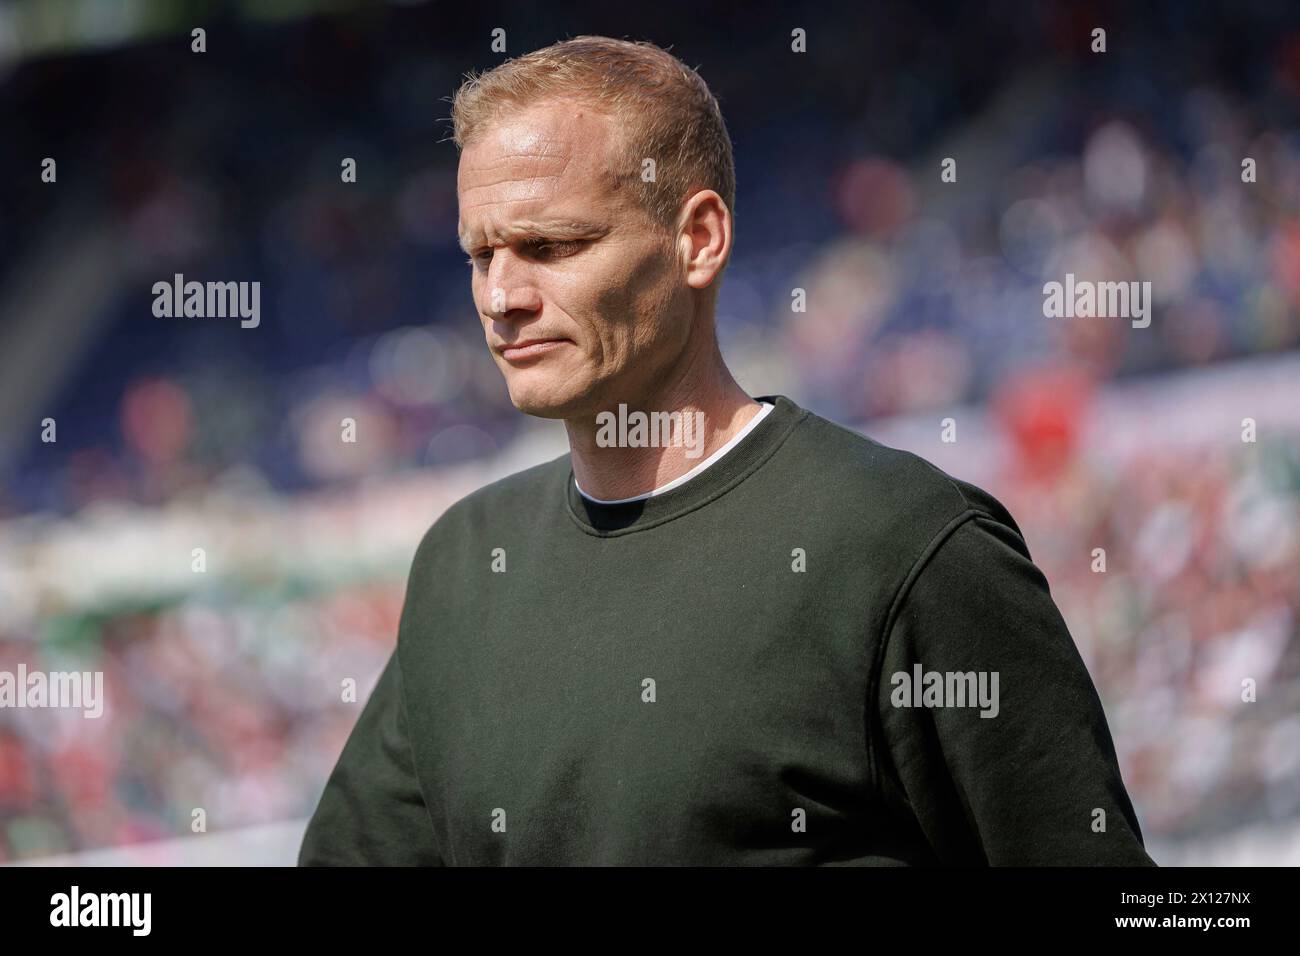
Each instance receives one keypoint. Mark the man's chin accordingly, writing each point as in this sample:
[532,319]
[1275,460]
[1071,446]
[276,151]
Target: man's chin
[548,403]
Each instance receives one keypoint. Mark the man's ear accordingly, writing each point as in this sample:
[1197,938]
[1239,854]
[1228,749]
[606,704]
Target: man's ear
[705,236]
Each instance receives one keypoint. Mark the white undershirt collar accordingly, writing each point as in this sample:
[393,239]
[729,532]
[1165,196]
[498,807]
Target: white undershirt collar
[694,472]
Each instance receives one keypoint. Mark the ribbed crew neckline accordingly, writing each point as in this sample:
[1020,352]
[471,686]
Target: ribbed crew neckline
[764,410]
[608,520]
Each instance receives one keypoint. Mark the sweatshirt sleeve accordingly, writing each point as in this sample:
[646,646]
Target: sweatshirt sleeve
[372,812]
[1027,774]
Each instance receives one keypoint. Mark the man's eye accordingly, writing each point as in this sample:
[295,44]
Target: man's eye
[553,250]
[539,249]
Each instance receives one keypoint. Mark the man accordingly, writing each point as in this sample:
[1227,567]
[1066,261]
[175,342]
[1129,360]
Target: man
[751,637]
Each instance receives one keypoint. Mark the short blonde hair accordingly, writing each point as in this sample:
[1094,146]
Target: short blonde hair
[665,109]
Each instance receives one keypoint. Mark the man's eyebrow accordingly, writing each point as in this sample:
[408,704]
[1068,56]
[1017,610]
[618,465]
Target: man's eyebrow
[559,229]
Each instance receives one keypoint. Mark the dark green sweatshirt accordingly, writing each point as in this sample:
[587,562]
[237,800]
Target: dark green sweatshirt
[722,675]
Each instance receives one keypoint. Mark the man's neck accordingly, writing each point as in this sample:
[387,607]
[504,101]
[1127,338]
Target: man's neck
[709,416]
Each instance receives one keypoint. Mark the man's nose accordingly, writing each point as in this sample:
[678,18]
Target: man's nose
[510,287]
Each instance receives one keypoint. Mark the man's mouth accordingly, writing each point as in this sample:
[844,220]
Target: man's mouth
[526,349]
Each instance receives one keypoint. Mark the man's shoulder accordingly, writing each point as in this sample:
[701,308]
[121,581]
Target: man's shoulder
[859,476]
[513,501]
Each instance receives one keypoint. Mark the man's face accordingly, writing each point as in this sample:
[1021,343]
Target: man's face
[582,297]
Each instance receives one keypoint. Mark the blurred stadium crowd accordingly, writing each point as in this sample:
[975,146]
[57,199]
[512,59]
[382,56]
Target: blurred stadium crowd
[922,296]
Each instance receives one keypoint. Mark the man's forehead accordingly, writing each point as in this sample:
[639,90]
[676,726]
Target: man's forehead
[508,207]
[510,179]
[539,142]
